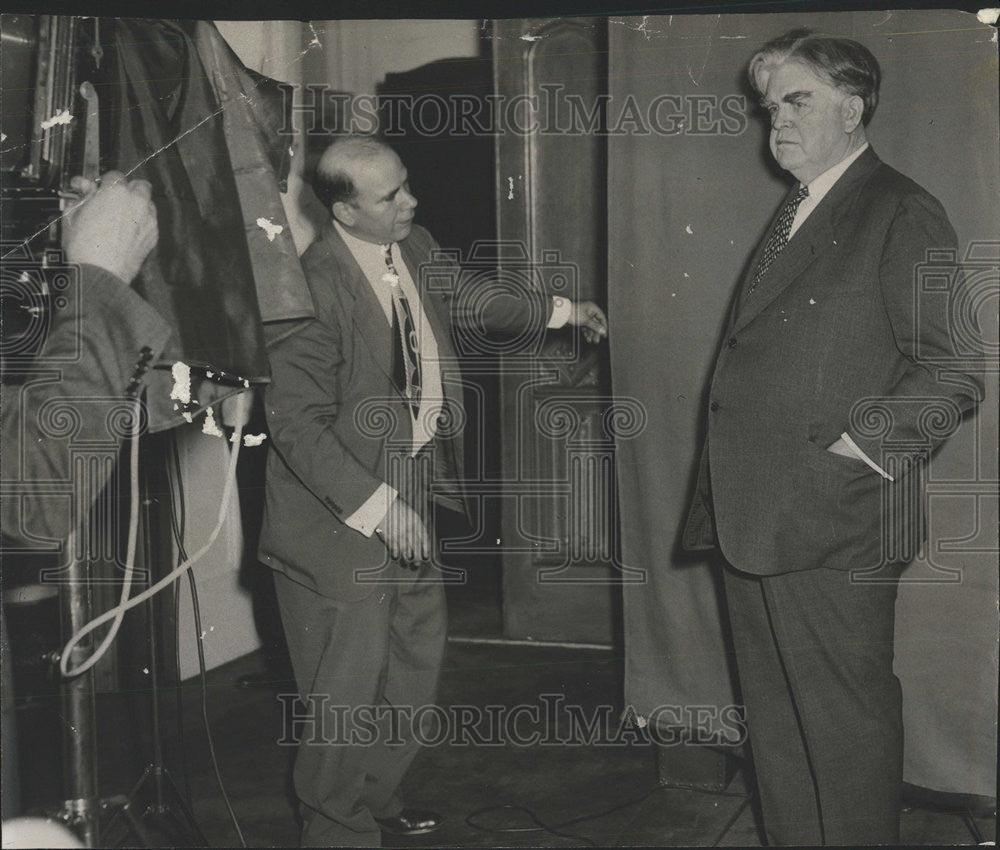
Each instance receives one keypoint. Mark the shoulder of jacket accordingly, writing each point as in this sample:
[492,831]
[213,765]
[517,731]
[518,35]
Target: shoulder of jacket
[315,254]
[887,180]
[886,193]
[420,239]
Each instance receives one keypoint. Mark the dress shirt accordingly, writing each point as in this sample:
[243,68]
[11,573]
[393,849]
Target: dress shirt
[820,186]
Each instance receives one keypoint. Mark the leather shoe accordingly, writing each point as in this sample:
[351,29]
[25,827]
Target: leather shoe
[411,822]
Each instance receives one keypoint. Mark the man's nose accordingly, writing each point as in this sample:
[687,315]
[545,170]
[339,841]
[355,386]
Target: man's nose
[780,118]
[409,202]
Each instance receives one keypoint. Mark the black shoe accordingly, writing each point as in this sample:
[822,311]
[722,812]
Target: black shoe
[411,822]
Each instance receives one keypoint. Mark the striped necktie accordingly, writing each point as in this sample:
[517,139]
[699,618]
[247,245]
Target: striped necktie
[406,350]
[779,236]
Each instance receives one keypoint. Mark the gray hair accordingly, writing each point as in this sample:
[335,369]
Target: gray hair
[848,65]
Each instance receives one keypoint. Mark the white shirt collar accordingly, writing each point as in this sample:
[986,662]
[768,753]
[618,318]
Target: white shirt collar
[359,247]
[824,183]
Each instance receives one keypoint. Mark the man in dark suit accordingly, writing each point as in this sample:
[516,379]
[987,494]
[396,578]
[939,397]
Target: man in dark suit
[362,399]
[824,343]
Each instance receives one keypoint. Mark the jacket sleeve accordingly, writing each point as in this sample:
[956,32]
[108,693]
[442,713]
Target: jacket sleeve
[937,383]
[302,405]
[505,303]
[95,361]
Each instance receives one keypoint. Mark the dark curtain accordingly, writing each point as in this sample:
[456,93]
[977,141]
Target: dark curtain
[170,131]
[256,124]
[686,208]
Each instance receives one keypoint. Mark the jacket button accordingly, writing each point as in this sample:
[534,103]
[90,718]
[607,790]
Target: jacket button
[714,406]
[732,342]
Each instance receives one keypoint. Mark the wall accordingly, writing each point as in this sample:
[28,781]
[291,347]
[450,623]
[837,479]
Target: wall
[355,56]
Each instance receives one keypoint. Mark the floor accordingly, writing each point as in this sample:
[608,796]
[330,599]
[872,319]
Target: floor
[603,793]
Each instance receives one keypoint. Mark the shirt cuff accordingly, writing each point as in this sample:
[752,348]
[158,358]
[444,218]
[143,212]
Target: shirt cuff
[561,308]
[370,515]
[854,448]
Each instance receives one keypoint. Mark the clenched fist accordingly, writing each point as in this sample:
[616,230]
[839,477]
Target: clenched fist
[113,227]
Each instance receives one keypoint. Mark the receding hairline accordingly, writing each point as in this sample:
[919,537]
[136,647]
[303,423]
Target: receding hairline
[342,153]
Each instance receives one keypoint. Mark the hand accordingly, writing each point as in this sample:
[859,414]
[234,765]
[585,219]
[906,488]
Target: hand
[404,533]
[590,317]
[112,227]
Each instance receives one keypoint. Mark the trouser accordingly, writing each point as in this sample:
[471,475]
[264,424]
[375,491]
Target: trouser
[382,656]
[814,652]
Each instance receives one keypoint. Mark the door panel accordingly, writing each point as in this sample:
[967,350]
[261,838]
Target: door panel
[559,528]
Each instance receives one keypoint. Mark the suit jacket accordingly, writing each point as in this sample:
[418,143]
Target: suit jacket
[95,362]
[837,337]
[336,418]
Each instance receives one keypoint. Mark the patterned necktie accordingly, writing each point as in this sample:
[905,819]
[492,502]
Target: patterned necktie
[779,236]
[406,351]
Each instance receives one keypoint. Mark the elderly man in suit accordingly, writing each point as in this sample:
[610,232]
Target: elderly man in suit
[344,526]
[791,477]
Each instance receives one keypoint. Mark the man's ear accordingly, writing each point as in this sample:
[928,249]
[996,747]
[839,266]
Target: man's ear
[344,213]
[852,109]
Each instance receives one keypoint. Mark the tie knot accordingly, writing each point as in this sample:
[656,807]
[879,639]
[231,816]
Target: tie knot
[802,194]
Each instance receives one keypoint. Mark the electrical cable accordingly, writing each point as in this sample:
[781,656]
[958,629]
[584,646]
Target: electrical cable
[178,694]
[178,529]
[126,604]
[540,826]
[555,829]
[177,525]
[204,710]
[118,612]
[551,829]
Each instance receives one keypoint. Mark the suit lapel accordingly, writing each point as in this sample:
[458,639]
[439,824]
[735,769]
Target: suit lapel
[437,310]
[432,306]
[815,236]
[367,315]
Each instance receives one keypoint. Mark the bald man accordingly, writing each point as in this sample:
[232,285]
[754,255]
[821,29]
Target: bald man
[344,526]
